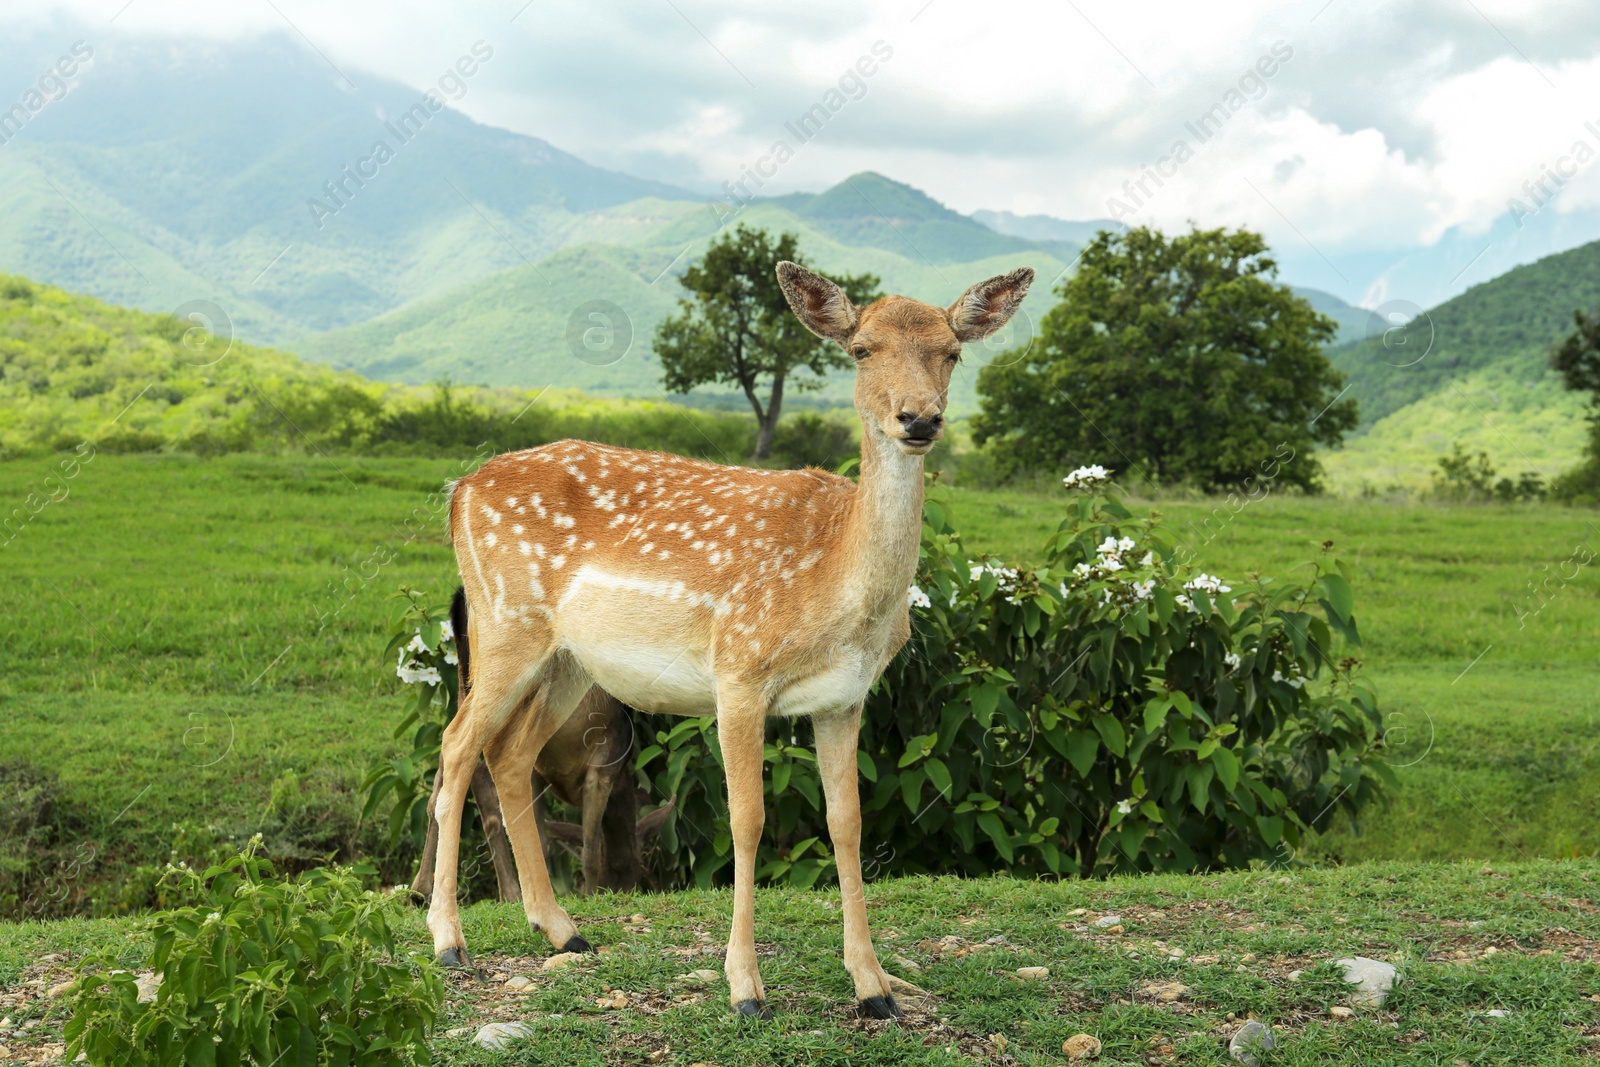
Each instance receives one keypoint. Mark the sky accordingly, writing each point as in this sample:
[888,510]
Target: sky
[1336,125]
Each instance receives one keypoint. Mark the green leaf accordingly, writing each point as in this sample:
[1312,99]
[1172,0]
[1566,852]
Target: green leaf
[1340,597]
[869,769]
[1112,733]
[1227,765]
[1082,746]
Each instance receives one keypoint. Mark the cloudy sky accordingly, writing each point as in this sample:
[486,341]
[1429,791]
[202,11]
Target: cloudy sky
[1380,125]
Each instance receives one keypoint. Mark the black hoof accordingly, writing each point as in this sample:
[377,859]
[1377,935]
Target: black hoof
[577,944]
[456,958]
[882,1007]
[755,1009]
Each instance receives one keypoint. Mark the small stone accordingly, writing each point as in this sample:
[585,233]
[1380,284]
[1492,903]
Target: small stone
[1230,1017]
[904,989]
[1491,951]
[54,957]
[612,1003]
[1498,1013]
[638,918]
[560,960]
[999,1042]
[1339,1011]
[1165,992]
[1079,911]
[1030,974]
[147,983]
[700,977]
[499,1035]
[1248,957]
[459,1031]
[1372,978]
[1249,1039]
[1081,1047]
[518,981]
[1117,929]
[1105,922]
[907,964]
[1294,976]
[62,987]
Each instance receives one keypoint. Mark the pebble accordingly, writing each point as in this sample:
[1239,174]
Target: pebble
[1250,1038]
[1105,922]
[61,987]
[518,981]
[907,964]
[1372,978]
[1339,1011]
[499,1035]
[1498,1013]
[1029,974]
[1081,1047]
[147,984]
[1165,992]
[560,960]
[700,977]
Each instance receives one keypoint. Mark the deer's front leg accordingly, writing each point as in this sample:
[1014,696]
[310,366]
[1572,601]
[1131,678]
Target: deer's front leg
[838,735]
[741,718]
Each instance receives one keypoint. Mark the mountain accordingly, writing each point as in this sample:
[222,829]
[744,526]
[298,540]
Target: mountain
[1044,227]
[1474,370]
[869,210]
[182,169]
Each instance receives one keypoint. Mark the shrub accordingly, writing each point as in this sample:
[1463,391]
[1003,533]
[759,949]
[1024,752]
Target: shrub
[1107,710]
[265,971]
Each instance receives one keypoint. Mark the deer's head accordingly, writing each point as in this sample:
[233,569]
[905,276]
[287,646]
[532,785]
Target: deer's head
[904,350]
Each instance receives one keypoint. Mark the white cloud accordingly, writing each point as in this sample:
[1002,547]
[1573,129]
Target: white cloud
[1393,122]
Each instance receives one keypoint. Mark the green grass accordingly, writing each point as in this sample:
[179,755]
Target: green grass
[171,668]
[1522,938]
[205,635]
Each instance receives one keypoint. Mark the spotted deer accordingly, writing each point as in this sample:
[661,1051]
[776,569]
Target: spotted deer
[690,588]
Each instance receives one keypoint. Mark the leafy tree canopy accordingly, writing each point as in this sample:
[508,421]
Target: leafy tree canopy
[735,328]
[1179,359]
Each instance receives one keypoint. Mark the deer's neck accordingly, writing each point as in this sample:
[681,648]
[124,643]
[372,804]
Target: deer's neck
[884,530]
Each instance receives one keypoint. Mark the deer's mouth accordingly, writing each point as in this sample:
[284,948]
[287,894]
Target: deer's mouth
[916,446]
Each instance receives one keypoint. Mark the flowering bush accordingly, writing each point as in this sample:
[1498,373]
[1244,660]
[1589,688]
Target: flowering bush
[1106,710]
[256,970]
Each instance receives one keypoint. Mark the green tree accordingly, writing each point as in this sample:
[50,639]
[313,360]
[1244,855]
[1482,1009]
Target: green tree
[1577,358]
[735,328]
[1179,359]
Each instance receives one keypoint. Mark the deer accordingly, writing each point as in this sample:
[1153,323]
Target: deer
[585,764]
[691,588]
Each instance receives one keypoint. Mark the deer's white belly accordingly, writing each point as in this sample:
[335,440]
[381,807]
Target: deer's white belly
[841,685]
[651,677]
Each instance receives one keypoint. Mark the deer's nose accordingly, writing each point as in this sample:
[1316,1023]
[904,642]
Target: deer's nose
[920,425]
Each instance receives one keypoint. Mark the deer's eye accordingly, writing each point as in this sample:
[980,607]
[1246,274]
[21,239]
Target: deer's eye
[860,352]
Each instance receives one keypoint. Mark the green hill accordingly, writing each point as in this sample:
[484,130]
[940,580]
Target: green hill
[1474,370]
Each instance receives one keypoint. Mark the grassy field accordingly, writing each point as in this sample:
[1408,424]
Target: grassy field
[200,657]
[203,647]
[1191,958]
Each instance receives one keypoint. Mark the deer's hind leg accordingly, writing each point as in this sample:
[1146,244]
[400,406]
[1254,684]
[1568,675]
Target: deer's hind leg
[496,700]
[511,755]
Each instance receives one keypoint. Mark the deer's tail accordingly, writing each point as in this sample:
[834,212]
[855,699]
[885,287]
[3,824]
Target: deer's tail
[458,623]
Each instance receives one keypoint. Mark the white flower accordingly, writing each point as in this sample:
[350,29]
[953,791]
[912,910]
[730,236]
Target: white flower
[451,658]
[1184,602]
[1295,680]
[1084,477]
[1108,547]
[1113,564]
[916,598]
[1149,559]
[417,644]
[1125,544]
[1142,590]
[1082,570]
[447,632]
[1209,583]
[1232,660]
[1124,807]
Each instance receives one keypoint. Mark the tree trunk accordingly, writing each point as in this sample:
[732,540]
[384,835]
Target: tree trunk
[767,421]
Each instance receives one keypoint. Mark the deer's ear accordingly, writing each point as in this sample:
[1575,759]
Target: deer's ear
[987,306]
[819,304]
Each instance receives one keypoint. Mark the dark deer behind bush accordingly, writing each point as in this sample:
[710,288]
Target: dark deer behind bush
[587,764]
